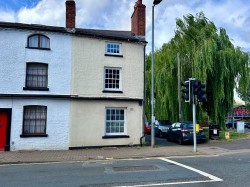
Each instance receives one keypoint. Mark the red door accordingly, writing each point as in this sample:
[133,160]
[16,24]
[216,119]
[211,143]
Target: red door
[3,130]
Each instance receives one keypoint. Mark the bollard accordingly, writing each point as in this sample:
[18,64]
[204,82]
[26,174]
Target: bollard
[227,135]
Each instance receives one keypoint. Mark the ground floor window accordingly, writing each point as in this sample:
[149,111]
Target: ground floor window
[115,121]
[34,120]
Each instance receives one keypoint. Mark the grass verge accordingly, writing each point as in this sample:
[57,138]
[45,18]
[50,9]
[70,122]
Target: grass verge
[233,135]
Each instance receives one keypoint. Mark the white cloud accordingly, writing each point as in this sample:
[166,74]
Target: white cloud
[8,16]
[233,15]
[46,12]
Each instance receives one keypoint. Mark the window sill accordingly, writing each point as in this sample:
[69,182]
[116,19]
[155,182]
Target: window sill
[32,135]
[114,55]
[36,89]
[112,91]
[48,49]
[114,136]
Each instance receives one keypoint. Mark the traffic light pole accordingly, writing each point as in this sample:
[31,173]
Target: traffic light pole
[194,124]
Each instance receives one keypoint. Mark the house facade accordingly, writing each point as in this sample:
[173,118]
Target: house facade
[35,84]
[67,88]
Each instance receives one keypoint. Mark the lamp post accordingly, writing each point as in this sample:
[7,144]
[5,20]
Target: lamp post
[156,2]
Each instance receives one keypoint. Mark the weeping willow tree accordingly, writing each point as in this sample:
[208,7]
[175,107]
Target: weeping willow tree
[207,55]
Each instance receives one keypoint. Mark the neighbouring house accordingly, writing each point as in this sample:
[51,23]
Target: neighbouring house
[240,112]
[35,86]
[67,88]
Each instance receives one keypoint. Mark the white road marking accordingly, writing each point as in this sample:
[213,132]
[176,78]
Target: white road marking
[170,183]
[211,177]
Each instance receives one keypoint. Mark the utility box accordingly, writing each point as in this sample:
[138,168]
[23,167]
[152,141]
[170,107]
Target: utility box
[214,132]
[240,127]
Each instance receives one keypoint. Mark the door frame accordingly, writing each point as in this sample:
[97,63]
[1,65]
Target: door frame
[8,130]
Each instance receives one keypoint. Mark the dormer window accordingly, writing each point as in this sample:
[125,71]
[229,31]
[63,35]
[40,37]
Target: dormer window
[113,49]
[38,41]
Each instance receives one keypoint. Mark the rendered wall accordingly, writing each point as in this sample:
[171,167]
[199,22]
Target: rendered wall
[88,65]
[88,123]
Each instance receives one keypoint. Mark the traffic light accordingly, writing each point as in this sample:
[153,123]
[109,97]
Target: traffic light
[202,92]
[196,87]
[186,91]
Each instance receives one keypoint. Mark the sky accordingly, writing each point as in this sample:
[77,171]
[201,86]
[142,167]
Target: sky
[233,15]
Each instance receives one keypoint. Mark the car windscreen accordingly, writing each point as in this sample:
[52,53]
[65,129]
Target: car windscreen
[164,123]
[187,126]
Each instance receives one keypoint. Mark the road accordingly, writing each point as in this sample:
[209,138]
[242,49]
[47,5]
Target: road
[227,170]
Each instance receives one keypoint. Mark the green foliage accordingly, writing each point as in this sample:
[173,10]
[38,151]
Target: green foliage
[207,54]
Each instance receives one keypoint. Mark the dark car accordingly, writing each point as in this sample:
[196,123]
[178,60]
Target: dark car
[161,127]
[247,125]
[183,132]
[229,123]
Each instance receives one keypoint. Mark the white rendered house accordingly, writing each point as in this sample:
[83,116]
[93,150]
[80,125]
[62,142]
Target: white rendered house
[35,86]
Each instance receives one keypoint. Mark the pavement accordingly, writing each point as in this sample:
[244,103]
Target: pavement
[161,149]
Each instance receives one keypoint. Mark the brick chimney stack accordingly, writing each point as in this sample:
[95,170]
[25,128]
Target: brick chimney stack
[138,19]
[70,14]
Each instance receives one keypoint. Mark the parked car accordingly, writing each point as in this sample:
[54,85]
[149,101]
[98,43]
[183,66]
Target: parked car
[147,128]
[247,125]
[161,127]
[229,123]
[183,132]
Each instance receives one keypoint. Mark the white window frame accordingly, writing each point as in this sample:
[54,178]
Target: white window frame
[108,52]
[120,79]
[115,121]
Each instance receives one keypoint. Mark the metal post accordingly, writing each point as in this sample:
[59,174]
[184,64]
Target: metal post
[152,85]
[194,124]
[179,86]
[233,117]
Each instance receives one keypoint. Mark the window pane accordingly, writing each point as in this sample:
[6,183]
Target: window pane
[38,41]
[35,118]
[44,42]
[33,41]
[115,124]
[112,78]
[113,48]
[37,75]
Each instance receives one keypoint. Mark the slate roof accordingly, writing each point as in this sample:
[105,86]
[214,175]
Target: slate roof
[109,34]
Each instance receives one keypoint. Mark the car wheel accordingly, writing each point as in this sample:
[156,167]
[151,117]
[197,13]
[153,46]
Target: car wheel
[180,141]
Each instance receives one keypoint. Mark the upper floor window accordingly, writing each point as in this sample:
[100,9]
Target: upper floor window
[38,41]
[112,79]
[34,120]
[113,49]
[36,76]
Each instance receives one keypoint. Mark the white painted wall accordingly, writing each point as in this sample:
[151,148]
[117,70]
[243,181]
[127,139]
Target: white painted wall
[14,56]
[57,124]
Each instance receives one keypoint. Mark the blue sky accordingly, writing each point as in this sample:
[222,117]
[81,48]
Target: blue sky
[233,15]
[15,5]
